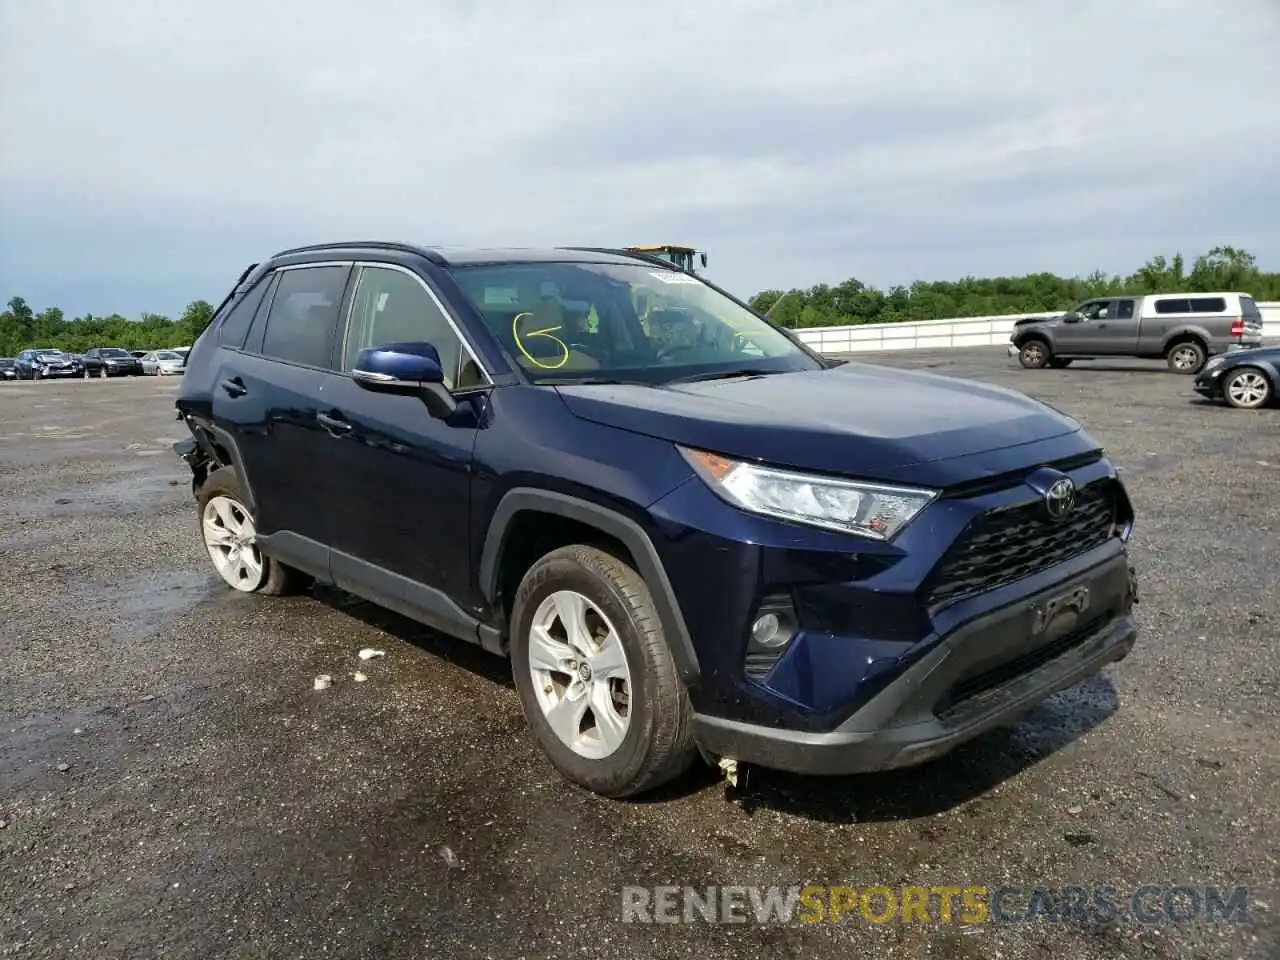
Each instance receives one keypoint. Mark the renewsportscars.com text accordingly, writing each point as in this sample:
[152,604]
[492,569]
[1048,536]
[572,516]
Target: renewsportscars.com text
[937,904]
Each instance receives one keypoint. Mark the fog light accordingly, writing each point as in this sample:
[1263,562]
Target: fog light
[772,631]
[767,631]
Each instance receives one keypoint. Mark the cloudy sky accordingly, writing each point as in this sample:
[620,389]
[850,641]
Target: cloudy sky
[152,148]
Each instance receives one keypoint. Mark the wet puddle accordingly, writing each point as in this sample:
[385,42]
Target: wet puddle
[148,601]
[127,493]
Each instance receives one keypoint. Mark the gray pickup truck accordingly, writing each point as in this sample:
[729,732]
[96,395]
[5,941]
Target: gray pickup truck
[1183,329]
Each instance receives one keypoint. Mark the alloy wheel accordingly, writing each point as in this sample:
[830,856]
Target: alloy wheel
[580,674]
[1248,389]
[231,539]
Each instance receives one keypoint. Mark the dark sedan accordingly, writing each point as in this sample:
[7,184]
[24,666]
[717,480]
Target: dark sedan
[1247,379]
[111,362]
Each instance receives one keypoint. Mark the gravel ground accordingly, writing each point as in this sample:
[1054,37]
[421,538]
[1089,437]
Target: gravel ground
[171,784]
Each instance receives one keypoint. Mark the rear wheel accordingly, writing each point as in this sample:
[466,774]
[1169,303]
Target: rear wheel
[596,679]
[1187,356]
[1247,388]
[1034,354]
[230,537]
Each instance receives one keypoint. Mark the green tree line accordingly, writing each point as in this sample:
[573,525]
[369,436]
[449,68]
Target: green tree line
[823,305]
[21,327]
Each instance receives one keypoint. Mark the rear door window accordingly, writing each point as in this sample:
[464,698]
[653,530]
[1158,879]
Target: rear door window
[235,327]
[304,315]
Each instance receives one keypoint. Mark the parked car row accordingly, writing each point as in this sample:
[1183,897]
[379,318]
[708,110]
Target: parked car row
[42,363]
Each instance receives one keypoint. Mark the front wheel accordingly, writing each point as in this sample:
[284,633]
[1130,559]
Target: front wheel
[1186,357]
[597,682]
[1033,354]
[1247,388]
[230,537]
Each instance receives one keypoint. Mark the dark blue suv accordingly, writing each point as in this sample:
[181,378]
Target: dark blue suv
[690,534]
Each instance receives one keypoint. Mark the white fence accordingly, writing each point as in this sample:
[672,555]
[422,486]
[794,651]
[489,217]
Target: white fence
[941,334]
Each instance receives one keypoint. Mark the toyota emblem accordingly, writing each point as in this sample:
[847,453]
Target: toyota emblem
[1060,498]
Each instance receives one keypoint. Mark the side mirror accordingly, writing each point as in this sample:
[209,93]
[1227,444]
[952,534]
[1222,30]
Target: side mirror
[1071,318]
[409,369]
[702,258]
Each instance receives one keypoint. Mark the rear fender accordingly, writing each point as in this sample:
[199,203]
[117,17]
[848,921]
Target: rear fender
[203,453]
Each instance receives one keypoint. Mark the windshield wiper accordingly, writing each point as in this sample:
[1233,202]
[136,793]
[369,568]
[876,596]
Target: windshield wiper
[574,381]
[722,375]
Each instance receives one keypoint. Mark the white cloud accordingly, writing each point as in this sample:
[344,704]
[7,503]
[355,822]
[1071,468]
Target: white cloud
[574,121]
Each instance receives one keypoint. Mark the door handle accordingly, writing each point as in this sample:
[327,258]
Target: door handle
[333,424]
[234,387]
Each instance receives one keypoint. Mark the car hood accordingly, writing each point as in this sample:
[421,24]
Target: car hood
[1263,354]
[856,419]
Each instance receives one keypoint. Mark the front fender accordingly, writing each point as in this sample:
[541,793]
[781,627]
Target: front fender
[1022,334]
[623,528]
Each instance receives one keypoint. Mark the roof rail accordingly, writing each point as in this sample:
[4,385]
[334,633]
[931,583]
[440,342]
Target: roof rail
[630,254]
[432,255]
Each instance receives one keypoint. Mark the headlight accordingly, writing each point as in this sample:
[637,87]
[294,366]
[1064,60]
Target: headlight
[848,506]
[1214,363]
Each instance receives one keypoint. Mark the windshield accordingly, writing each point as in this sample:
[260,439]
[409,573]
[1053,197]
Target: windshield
[114,352]
[587,321]
[167,355]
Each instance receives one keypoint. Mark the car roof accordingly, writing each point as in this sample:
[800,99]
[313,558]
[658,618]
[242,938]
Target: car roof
[461,256]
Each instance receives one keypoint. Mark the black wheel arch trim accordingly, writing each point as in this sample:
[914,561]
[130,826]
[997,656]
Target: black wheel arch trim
[615,524]
[204,432]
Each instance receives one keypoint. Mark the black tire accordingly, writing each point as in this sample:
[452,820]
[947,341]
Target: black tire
[658,745]
[278,578]
[1268,391]
[1186,356]
[1059,363]
[1034,354]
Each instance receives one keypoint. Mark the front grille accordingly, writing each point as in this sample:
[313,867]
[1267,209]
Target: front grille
[1004,545]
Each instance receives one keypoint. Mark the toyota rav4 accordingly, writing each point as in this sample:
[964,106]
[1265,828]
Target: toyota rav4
[690,535]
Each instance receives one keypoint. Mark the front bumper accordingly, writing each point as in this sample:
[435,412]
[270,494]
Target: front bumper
[1208,382]
[50,372]
[123,369]
[983,675]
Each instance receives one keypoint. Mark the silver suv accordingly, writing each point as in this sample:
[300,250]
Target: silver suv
[1185,329]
